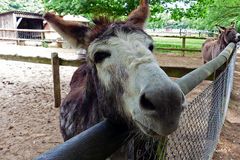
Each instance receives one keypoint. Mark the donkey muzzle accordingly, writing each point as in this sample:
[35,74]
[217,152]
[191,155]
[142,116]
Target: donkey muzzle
[161,107]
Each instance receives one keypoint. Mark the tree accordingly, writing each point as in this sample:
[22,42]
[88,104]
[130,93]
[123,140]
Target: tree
[204,14]
[222,12]
[21,5]
[116,8]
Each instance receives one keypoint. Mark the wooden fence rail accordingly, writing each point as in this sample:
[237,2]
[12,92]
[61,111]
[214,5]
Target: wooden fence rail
[41,35]
[183,49]
[55,61]
[26,34]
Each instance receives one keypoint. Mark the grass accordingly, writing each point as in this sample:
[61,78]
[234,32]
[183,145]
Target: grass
[163,42]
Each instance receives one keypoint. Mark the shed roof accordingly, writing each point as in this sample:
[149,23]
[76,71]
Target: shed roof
[22,13]
[75,18]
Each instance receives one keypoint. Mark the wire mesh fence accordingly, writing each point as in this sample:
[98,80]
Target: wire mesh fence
[202,120]
[200,124]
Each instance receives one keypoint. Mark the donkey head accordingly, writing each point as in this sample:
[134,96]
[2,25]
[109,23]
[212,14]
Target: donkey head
[130,85]
[229,34]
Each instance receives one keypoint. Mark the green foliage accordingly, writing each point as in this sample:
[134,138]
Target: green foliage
[221,12]
[44,44]
[116,8]
[15,5]
[113,8]
[199,14]
[21,5]
[121,8]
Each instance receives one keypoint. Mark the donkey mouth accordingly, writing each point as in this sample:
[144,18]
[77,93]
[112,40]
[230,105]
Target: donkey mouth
[148,131]
[154,127]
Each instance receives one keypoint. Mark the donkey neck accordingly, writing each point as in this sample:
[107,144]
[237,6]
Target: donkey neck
[222,42]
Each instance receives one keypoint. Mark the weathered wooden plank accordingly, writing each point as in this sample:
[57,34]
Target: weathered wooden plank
[27,30]
[73,63]
[171,71]
[22,39]
[26,59]
[179,49]
[56,80]
[184,45]
[187,37]
[18,22]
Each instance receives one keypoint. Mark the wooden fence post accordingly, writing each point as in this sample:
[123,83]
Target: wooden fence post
[183,45]
[56,79]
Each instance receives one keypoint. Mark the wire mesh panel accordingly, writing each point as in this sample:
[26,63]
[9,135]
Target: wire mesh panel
[199,127]
[201,122]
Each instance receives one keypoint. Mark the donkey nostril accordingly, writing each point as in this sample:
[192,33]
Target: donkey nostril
[145,103]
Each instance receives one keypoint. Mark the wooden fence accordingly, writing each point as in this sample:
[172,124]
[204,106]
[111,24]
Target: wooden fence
[183,48]
[56,62]
[19,35]
[26,34]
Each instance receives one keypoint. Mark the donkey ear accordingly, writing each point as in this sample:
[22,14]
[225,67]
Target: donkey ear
[75,33]
[138,16]
[221,28]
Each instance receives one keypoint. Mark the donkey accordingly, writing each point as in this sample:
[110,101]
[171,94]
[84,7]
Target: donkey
[120,78]
[211,48]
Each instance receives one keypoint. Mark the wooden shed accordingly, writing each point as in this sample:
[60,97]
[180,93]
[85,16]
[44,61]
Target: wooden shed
[20,20]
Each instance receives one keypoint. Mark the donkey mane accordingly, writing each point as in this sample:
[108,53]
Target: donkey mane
[222,41]
[102,24]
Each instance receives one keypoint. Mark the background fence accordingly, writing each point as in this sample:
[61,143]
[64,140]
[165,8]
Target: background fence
[25,34]
[183,47]
[22,35]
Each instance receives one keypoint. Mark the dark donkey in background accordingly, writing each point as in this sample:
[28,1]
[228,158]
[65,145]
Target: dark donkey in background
[120,78]
[211,48]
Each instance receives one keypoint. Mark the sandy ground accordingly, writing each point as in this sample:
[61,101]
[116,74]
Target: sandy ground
[8,49]
[29,122]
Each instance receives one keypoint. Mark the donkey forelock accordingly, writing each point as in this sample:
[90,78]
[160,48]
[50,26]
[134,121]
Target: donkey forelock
[109,29]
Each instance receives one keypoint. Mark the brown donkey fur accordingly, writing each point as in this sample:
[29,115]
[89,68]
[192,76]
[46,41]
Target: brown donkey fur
[211,48]
[84,105]
[119,78]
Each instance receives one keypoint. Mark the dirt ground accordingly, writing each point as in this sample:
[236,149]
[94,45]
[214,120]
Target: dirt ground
[29,122]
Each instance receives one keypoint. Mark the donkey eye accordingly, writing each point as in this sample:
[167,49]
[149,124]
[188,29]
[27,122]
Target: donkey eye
[151,47]
[100,56]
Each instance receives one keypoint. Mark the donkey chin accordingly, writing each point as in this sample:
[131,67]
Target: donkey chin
[157,127]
